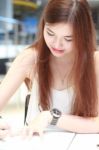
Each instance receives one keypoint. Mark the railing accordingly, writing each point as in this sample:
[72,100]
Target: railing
[8,35]
[5,29]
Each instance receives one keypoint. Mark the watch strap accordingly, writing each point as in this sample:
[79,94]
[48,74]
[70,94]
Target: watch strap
[56,115]
[54,121]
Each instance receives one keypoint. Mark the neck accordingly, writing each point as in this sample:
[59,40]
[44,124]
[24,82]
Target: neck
[68,59]
[62,71]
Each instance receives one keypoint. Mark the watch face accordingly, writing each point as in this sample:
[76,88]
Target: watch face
[56,113]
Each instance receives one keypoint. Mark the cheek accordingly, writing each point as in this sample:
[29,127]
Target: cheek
[69,46]
[48,40]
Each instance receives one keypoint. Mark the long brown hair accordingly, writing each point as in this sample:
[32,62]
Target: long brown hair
[76,12]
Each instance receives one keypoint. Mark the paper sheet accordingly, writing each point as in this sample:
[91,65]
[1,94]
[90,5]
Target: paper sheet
[50,141]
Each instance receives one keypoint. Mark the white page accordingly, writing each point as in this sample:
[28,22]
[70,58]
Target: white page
[85,142]
[50,141]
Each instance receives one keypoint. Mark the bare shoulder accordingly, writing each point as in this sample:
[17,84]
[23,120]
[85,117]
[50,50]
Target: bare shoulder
[25,62]
[27,57]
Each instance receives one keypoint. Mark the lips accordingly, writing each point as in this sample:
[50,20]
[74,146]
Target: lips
[57,50]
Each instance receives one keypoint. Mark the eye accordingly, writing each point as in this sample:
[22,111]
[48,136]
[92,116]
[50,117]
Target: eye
[50,34]
[68,40]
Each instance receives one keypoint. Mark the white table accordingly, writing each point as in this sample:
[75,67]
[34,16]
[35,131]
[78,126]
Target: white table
[53,141]
[50,141]
[85,142]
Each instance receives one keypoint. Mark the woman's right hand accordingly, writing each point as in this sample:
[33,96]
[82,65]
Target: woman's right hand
[4,129]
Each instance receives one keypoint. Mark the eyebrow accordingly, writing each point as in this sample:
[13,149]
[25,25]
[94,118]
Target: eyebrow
[67,36]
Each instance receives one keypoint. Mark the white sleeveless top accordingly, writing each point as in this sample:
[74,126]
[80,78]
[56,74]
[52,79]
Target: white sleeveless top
[61,99]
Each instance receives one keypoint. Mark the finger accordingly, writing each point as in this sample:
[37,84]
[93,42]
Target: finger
[41,134]
[4,126]
[25,132]
[4,133]
[31,133]
[16,132]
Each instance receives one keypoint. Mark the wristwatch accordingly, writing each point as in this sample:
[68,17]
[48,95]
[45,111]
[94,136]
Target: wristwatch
[56,114]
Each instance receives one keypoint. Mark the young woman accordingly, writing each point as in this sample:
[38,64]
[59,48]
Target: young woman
[61,68]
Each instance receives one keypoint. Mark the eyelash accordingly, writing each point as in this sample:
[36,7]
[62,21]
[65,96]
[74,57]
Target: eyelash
[50,34]
[53,35]
[68,40]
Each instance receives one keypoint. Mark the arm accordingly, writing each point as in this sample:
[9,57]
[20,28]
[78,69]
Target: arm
[81,124]
[19,70]
[69,123]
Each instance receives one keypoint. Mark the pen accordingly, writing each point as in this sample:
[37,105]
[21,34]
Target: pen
[2,128]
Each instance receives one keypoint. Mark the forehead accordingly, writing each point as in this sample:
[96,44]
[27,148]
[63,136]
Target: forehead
[65,28]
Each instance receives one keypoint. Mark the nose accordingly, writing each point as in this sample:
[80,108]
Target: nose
[57,43]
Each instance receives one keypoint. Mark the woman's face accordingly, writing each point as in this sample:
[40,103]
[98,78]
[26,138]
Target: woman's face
[59,38]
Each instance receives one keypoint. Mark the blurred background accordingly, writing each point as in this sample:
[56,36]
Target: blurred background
[18,26]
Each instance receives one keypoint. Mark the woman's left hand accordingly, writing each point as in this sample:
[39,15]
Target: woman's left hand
[38,124]
[4,129]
